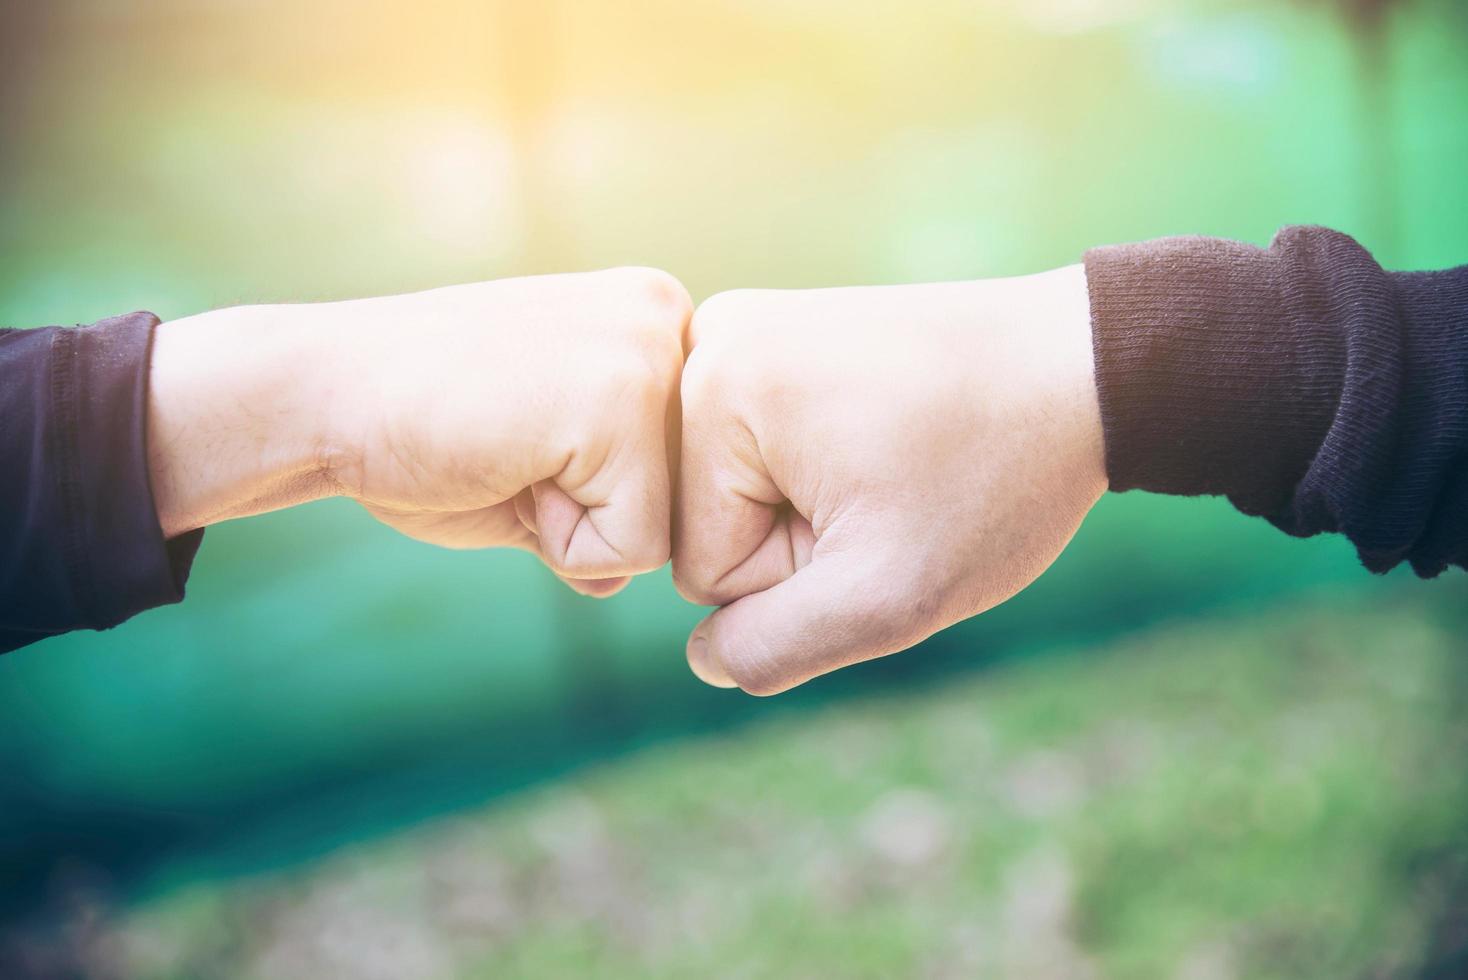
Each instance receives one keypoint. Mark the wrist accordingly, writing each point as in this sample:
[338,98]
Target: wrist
[238,414]
[1063,306]
[1038,360]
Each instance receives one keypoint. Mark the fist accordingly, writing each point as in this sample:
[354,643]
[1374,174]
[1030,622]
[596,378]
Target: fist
[529,413]
[863,467]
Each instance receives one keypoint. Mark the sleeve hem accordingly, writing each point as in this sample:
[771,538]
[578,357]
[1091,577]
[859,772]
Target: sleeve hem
[128,565]
[1210,381]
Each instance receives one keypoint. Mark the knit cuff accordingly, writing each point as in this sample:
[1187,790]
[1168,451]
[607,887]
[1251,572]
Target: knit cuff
[1213,378]
[121,562]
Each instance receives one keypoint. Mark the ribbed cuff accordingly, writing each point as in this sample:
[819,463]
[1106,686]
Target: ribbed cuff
[121,563]
[1213,378]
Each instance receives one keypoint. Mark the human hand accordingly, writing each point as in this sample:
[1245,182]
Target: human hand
[863,467]
[529,413]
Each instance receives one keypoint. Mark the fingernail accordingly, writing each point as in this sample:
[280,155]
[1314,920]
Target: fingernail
[703,665]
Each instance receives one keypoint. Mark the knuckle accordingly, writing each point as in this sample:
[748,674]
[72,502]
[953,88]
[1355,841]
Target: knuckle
[701,381]
[655,312]
[722,358]
[663,301]
[739,353]
[667,293]
[718,315]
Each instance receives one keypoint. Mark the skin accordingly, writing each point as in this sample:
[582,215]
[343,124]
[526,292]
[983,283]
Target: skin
[860,467]
[863,467]
[529,413]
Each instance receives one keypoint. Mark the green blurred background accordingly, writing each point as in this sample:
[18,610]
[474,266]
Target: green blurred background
[1196,748]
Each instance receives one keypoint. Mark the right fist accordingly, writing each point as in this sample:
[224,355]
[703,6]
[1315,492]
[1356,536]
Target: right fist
[863,467]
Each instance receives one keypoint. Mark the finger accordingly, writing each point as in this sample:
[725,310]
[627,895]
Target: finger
[734,532]
[525,510]
[838,610]
[624,533]
[500,526]
[596,588]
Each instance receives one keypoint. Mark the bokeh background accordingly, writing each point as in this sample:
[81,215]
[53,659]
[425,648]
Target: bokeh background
[1195,749]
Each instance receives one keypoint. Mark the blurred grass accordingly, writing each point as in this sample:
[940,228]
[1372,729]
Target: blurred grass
[1277,796]
[328,684]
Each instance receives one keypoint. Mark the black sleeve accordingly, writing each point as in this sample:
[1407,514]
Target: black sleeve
[1302,381]
[80,543]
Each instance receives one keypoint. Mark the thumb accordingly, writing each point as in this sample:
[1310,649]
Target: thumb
[842,608]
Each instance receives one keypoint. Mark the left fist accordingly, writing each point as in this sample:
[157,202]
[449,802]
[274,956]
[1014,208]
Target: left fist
[524,412]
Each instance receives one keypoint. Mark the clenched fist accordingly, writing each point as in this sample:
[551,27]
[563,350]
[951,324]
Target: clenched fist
[863,467]
[529,413]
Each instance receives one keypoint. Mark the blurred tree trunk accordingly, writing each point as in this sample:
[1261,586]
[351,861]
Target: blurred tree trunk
[1378,125]
[526,48]
[529,77]
[1376,120]
[26,37]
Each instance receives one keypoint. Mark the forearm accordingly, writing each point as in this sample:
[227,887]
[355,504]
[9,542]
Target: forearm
[238,413]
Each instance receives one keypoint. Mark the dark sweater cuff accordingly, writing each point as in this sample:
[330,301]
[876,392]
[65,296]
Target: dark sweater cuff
[122,562]
[1214,376]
